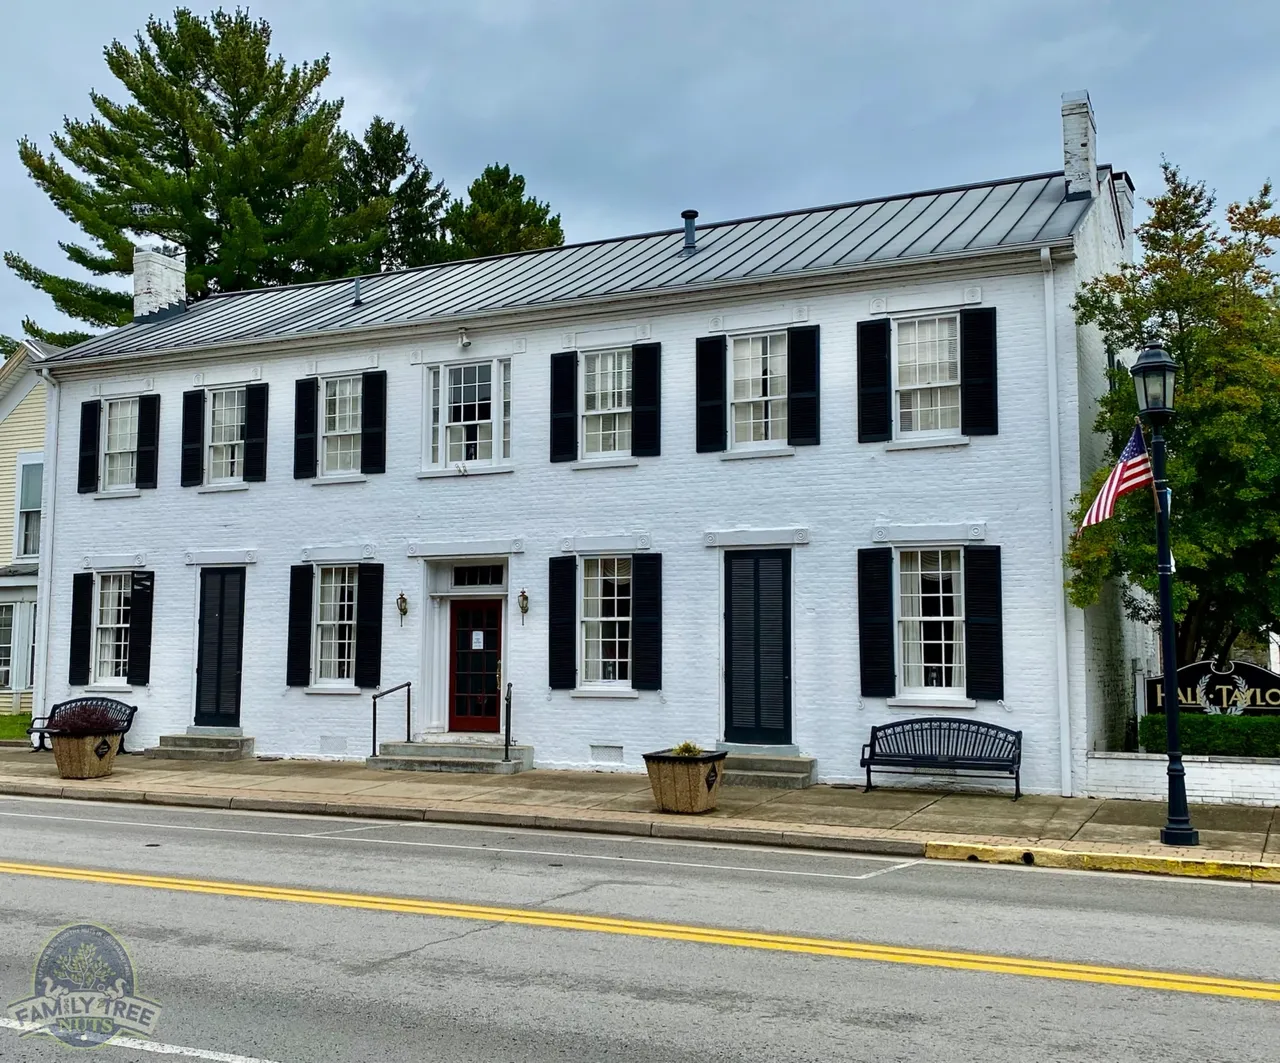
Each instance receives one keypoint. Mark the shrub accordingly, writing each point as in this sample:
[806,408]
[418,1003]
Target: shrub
[687,749]
[1202,735]
[86,720]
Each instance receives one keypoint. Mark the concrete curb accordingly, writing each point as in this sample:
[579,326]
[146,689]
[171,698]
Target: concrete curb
[704,830]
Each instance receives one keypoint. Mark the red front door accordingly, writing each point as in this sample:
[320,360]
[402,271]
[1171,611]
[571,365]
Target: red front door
[475,650]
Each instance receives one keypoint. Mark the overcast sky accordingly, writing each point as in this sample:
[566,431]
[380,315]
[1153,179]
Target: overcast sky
[624,112]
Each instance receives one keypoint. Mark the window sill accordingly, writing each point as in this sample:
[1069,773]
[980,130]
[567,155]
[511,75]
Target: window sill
[335,689]
[926,701]
[218,489]
[620,462]
[345,478]
[926,442]
[108,688]
[604,692]
[123,492]
[744,453]
[474,470]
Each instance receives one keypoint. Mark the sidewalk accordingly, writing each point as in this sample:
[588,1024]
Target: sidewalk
[1237,842]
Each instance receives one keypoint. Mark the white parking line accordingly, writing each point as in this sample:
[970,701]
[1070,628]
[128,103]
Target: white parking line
[157,1047]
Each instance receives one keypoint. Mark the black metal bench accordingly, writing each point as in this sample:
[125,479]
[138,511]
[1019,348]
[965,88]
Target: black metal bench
[121,714]
[945,742]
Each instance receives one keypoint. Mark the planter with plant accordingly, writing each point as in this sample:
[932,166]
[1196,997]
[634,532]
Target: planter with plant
[685,778]
[86,742]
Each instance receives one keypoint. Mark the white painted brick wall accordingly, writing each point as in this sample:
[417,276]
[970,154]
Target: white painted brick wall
[1213,780]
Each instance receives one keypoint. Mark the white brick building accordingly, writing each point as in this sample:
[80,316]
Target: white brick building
[724,470]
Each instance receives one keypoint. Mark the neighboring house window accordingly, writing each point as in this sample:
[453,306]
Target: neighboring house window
[111,627]
[341,425]
[30,477]
[931,620]
[759,389]
[6,646]
[226,435]
[120,444]
[606,620]
[31,663]
[335,638]
[927,375]
[606,403]
[470,417]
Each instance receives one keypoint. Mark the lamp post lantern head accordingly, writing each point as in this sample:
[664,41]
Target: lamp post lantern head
[1153,378]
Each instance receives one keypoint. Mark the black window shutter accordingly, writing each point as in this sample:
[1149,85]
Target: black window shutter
[81,626]
[193,438]
[646,400]
[875,622]
[373,422]
[983,623]
[140,604]
[804,402]
[255,433]
[87,476]
[710,393]
[979,405]
[564,406]
[298,669]
[368,672]
[646,621]
[562,623]
[148,441]
[875,391]
[306,411]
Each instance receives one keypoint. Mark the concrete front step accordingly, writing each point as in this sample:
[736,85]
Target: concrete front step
[202,747]
[770,772]
[476,750]
[474,765]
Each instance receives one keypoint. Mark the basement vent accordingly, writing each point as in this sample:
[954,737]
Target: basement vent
[606,754]
[333,744]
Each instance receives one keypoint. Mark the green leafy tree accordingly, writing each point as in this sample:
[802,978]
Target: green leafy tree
[1207,292]
[380,170]
[498,217]
[219,148]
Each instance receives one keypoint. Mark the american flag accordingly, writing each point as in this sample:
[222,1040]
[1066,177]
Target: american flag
[1132,471]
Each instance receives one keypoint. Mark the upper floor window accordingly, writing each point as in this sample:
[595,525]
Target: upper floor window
[30,485]
[927,375]
[226,435]
[470,413]
[759,389]
[606,403]
[340,425]
[931,620]
[120,444]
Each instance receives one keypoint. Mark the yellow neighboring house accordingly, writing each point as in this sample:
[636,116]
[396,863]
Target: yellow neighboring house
[22,421]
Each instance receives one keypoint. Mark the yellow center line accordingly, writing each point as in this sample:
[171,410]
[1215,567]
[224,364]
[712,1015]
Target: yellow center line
[852,950]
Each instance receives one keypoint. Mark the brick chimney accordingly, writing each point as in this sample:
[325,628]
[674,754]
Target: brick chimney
[1079,145]
[159,284]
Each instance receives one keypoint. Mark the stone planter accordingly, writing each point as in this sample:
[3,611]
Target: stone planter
[685,784]
[84,756]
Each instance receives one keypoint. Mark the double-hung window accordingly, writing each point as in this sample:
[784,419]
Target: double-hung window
[7,611]
[335,624]
[340,425]
[606,403]
[759,390]
[470,413]
[606,620]
[111,627]
[120,444]
[226,435]
[927,375]
[27,533]
[931,620]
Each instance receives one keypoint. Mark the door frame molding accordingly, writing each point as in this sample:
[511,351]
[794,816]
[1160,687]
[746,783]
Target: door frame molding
[723,630]
[195,638]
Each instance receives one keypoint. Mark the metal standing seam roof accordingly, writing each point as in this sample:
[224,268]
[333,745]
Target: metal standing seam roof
[1016,212]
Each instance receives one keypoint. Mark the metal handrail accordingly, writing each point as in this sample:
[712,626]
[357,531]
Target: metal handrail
[506,749]
[407,687]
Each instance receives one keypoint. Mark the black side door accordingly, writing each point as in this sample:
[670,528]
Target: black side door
[757,678]
[221,647]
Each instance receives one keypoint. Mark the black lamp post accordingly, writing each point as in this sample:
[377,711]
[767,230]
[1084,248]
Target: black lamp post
[1153,377]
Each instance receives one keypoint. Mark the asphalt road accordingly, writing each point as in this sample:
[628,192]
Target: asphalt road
[307,979]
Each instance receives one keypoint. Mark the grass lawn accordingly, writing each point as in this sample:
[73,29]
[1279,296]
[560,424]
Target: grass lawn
[14,725]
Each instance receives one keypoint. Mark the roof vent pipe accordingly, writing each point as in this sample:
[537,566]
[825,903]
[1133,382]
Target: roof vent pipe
[355,294]
[690,231]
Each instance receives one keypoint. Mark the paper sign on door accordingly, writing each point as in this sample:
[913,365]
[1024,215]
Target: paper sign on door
[477,640]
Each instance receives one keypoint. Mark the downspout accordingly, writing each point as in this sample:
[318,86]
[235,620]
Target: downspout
[44,583]
[1055,513]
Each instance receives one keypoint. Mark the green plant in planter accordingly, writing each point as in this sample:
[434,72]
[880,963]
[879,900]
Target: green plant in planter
[687,749]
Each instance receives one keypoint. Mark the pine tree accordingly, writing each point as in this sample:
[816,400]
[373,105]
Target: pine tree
[221,149]
[498,218]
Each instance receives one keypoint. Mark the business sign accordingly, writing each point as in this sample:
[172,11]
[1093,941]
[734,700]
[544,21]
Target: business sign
[1236,689]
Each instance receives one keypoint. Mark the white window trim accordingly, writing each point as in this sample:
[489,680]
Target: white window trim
[945,437]
[616,688]
[25,457]
[336,475]
[443,467]
[318,685]
[232,482]
[923,697]
[96,681]
[604,458]
[755,447]
[120,490]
